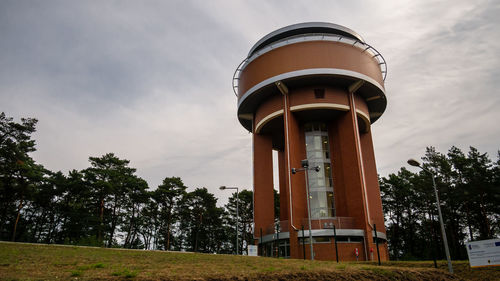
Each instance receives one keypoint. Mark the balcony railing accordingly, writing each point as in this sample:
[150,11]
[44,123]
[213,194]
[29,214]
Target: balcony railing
[281,226]
[310,37]
[325,223]
[328,223]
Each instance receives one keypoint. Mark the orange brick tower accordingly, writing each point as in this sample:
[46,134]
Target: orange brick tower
[311,91]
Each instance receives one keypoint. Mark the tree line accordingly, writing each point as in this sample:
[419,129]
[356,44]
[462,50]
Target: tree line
[108,205]
[469,193]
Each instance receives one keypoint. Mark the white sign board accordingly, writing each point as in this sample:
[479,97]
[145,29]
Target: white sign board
[484,252]
[252,250]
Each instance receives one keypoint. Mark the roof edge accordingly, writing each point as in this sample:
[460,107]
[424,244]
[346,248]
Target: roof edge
[302,28]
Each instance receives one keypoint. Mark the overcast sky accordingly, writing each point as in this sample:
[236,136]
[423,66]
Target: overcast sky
[151,80]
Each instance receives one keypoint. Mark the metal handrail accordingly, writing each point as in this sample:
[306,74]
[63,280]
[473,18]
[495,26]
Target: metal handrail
[310,37]
[327,223]
[317,223]
[236,76]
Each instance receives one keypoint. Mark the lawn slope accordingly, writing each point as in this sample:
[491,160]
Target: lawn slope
[20,261]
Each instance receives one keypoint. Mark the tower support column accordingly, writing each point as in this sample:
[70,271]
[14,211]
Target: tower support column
[368,243]
[295,184]
[263,198]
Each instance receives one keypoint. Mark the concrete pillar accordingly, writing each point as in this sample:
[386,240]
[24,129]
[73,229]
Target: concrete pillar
[263,183]
[284,198]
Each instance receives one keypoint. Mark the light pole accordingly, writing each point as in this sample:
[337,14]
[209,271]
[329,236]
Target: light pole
[237,214]
[415,163]
[305,167]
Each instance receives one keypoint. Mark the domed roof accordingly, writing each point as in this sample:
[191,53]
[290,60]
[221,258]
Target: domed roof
[304,28]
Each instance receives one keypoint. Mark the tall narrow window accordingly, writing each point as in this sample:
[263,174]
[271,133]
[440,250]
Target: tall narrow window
[320,183]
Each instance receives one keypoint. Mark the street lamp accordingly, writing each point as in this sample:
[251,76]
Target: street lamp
[237,214]
[415,163]
[305,167]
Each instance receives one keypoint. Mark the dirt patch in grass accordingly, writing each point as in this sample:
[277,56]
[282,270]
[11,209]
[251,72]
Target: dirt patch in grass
[460,268]
[50,262]
[354,275]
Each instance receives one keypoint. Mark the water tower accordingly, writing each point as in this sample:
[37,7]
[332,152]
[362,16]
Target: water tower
[311,91]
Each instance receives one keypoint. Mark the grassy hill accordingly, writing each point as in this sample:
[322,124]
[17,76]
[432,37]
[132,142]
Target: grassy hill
[19,261]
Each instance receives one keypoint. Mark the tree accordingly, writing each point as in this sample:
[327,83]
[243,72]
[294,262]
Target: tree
[110,180]
[201,221]
[77,211]
[245,220]
[133,202]
[467,184]
[167,196]
[18,172]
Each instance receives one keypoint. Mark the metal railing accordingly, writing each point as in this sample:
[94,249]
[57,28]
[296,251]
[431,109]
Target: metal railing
[326,223]
[281,226]
[310,37]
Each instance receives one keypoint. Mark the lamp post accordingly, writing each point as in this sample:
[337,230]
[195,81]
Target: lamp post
[415,163]
[305,167]
[237,214]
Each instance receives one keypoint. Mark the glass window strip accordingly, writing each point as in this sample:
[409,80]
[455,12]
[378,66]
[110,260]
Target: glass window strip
[320,183]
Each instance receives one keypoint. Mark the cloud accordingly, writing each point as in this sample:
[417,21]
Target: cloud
[151,81]
[441,85]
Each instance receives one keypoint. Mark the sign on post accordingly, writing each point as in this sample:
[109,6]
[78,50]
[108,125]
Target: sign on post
[483,253]
[252,250]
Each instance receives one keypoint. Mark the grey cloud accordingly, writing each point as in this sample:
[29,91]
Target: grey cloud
[151,81]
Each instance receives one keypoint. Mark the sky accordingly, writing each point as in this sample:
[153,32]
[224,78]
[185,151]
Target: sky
[151,80]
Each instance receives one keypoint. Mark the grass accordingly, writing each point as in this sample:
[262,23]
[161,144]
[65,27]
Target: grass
[20,261]
[125,273]
[381,271]
[76,273]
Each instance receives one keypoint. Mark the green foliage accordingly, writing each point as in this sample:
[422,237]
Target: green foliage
[125,273]
[20,175]
[51,262]
[269,269]
[108,205]
[76,273]
[201,222]
[245,220]
[164,209]
[468,189]
[92,206]
[341,266]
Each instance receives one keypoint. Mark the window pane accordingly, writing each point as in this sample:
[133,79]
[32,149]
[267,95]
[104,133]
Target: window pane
[321,239]
[324,141]
[320,183]
[317,143]
[330,204]
[327,174]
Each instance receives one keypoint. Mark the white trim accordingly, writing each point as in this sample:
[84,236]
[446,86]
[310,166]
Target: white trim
[324,232]
[247,116]
[288,171]
[373,98]
[320,106]
[310,72]
[364,117]
[336,106]
[314,25]
[362,166]
[362,114]
[266,119]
